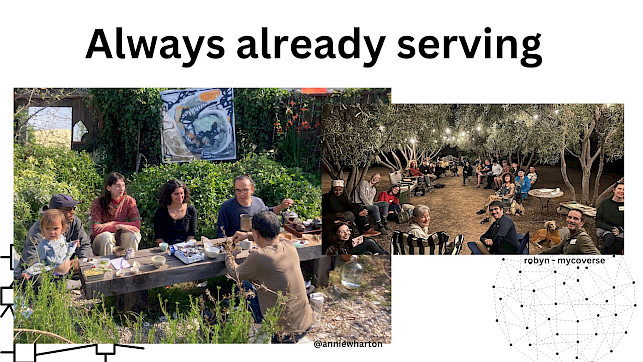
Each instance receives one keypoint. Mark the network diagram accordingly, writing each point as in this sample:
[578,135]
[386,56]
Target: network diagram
[564,308]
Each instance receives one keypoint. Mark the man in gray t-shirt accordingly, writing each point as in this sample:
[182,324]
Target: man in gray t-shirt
[243,203]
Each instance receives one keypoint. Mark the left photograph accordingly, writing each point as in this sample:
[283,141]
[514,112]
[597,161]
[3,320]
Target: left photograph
[147,215]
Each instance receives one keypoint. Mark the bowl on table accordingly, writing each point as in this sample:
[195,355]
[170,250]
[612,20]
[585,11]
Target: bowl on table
[163,246]
[211,252]
[158,261]
[119,251]
[245,244]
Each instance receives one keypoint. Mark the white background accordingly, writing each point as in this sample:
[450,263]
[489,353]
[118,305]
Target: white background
[442,307]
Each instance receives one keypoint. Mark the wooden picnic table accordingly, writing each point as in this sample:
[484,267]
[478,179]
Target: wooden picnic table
[175,271]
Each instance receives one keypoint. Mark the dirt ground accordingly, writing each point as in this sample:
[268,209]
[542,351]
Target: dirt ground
[453,208]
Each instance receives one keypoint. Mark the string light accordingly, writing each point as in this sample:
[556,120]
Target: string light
[448,130]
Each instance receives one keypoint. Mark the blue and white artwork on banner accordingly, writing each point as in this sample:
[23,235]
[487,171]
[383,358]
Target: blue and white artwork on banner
[198,124]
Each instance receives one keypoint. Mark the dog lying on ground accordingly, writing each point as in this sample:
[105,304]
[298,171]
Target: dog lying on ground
[547,235]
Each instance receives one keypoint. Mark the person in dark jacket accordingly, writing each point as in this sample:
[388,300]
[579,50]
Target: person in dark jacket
[610,217]
[467,171]
[501,237]
[336,201]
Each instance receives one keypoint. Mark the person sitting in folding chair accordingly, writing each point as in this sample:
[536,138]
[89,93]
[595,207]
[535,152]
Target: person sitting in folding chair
[501,237]
[420,222]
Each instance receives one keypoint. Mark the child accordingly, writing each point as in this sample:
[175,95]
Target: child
[53,250]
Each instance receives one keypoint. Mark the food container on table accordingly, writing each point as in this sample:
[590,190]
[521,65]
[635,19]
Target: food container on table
[212,252]
[187,252]
[245,244]
[158,261]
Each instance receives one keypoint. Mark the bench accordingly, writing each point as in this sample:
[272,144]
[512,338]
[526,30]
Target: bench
[397,178]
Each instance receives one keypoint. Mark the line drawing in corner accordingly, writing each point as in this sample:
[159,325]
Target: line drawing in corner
[29,352]
[564,308]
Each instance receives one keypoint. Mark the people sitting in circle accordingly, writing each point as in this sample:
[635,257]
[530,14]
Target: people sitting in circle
[347,240]
[467,171]
[275,267]
[364,194]
[413,169]
[74,231]
[501,237]
[484,172]
[243,203]
[522,185]
[175,218]
[336,201]
[115,218]
[577,241]
[453,167]
[533,176]
[427,171]
[394,208]
[496,171]
[505,195]
[505,169]
[514,167]
[610,217]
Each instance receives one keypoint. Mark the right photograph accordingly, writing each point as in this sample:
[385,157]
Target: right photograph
[461,179]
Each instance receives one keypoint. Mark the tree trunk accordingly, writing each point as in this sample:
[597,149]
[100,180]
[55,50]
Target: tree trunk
[385,162]
[597,182]
[563,171]
[350,182]
[531,158]
[587,174]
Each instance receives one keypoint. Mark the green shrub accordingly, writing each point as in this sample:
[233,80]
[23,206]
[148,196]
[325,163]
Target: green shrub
[212,183]
[40,172]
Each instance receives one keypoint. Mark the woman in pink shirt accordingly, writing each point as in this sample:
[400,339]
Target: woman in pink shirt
[115,218]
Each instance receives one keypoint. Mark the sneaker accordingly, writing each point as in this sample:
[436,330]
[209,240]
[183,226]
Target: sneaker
[477,186]
[487,187]
[480,212]
[485,220]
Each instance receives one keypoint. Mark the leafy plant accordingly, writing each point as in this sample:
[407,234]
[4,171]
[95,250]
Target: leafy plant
[131,125]
[40,172]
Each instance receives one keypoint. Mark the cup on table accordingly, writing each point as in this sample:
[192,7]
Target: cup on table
[163,246]
[246,222]
[245,244]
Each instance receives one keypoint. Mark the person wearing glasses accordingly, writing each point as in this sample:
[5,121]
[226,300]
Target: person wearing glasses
[243,203]
[74,232]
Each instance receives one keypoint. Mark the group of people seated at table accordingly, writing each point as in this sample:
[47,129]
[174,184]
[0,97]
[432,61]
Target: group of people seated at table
[58,236]
[116,222]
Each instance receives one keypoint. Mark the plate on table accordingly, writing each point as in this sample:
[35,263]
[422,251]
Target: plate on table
[546,190]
